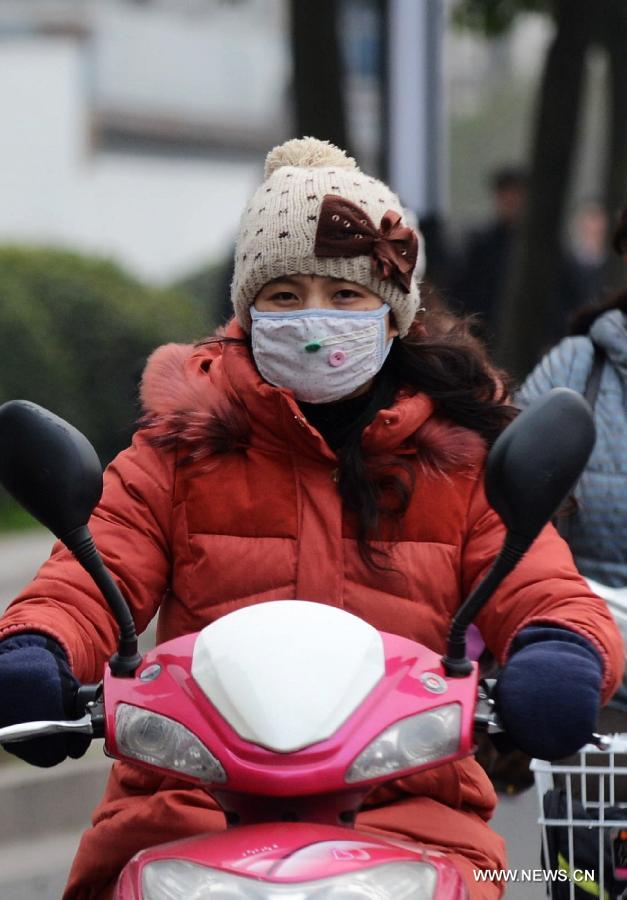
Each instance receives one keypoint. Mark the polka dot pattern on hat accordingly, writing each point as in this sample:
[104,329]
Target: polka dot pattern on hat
[278,228]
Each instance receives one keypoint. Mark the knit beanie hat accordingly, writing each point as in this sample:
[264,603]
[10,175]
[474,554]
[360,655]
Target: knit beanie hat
[316,213]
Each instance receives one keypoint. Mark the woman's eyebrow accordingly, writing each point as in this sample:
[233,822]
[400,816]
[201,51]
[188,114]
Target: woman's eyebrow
[284,279]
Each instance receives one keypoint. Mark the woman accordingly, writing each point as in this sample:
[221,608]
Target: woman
[326,447]
[596,350]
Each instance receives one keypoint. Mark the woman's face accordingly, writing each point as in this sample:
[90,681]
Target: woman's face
[292,292]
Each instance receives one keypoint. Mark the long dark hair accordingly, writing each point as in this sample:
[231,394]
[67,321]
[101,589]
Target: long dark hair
[442,358]
[583,319]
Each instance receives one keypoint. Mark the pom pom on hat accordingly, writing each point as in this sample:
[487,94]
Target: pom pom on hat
[305,153]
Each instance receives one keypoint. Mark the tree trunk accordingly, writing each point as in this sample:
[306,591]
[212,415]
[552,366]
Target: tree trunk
[616,169]
[527,308]
[318,71]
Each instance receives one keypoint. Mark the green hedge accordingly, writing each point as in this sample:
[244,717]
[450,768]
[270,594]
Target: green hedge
[75,332]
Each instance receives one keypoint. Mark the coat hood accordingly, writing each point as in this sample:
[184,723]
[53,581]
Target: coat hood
[209,399]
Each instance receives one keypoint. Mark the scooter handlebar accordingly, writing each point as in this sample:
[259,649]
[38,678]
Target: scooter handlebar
[88,701]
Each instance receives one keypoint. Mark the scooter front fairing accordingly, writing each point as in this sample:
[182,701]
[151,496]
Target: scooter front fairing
[289,861]
[303,730]
[203,704]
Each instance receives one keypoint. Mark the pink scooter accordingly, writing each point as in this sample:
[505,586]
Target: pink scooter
[289,712]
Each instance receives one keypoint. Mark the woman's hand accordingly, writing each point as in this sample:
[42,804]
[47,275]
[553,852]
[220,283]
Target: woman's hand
[548,693]
[36,683]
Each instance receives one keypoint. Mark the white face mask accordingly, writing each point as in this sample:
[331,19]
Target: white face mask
[322,355]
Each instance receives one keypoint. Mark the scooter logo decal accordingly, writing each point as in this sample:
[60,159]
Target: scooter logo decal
[344,855]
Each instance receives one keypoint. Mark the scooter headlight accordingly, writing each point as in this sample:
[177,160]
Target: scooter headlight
[409,743]
[161,741]
[171,879]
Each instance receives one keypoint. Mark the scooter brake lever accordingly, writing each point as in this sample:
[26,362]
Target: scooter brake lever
[25,730]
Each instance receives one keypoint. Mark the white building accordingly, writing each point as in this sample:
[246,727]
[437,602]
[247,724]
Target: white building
[103,106]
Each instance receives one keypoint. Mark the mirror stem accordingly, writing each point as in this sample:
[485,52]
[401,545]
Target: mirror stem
[125,662]
[456,663]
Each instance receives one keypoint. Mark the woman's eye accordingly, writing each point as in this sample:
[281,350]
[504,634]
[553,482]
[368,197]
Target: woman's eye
[347,294]
[283,296]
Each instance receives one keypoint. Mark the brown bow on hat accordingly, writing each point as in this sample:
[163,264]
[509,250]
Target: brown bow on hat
[346,230]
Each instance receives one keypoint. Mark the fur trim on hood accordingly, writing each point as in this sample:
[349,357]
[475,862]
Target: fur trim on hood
[182,410]
[443,447]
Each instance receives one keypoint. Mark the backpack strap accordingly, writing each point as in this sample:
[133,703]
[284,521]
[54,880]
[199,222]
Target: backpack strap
[590,392]
[594,378]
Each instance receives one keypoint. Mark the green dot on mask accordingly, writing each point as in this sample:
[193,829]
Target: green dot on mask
[312,346]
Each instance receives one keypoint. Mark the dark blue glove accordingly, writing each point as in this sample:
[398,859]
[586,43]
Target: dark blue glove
[548,693]
[36,683]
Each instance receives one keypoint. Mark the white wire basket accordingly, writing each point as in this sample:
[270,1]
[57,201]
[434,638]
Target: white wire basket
[597,781]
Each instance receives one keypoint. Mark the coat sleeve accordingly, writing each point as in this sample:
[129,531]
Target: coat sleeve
[131,528]
[568,364]
[545,587]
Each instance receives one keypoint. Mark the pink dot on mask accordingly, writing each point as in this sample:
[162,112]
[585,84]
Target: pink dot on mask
[337,358]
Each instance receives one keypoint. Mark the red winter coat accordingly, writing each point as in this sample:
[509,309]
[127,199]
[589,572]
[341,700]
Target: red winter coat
[256,516]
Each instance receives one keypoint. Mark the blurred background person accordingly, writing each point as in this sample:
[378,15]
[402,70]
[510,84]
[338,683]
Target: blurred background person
[593,361]
[584,263]
[479,282]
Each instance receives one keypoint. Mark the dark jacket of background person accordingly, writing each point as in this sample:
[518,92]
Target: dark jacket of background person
[597,530]
[481,277]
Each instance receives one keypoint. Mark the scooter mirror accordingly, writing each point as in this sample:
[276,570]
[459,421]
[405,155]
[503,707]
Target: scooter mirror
[531,468]
[48,466]
[54,473]
[536,461]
